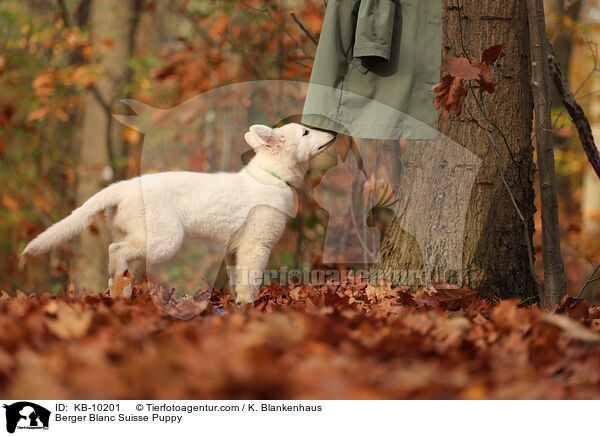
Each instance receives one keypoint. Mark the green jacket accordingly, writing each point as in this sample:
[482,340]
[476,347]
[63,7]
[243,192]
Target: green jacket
[375,64]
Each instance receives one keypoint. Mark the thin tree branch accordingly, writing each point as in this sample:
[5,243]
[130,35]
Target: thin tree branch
[591,279]
[64,13]
[108,111]
[461,33]
[581,85]
[284,30]
[304,29]
[576,113]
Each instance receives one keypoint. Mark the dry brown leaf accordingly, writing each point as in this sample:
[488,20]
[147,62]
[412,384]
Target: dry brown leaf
[572,328]
[451,91]
[68,324]
[327,341]
[450,95]
[491,55]
[460,68]
[380,290]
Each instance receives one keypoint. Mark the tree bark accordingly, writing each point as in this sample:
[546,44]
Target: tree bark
[101,138]
[494,258]
[554,269]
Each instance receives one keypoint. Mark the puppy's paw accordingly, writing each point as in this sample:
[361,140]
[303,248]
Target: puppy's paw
[244,300]
[127,290]
[233,293]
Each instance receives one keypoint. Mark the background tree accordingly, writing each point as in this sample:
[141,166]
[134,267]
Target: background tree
[112,26]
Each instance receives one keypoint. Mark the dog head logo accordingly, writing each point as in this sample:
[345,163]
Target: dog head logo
[26,415]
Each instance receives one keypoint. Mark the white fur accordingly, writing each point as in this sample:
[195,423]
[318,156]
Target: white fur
[245,212]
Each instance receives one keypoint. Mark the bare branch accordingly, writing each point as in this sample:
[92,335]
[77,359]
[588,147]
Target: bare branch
[64,13]
[284,30]
[304,29]
[591,279]
[576,112]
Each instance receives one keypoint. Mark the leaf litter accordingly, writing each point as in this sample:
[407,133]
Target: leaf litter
[351,341]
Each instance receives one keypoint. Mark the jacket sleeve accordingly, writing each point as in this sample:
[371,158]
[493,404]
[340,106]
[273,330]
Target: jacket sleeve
[374,29]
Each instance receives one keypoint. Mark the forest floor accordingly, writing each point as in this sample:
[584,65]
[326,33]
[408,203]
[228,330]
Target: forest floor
[355,341]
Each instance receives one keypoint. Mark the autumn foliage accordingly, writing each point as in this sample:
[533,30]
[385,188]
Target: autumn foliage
[452,90]
[308,342]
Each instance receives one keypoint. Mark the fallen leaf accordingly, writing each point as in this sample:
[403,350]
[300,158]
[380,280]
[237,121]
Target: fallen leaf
[68,323]
[426,298]
[452,299]
[380,290]
[571,328]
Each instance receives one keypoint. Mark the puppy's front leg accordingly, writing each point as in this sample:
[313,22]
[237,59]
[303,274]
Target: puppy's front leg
[251,262]
[261,231]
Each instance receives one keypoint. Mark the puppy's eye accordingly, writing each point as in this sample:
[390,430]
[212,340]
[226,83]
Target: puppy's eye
[305,133]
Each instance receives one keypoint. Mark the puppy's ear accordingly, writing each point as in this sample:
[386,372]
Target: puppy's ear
[260,135]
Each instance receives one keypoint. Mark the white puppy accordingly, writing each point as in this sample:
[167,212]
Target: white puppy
[245,212]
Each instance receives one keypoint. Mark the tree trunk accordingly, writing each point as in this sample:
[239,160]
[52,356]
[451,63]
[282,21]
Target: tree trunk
[101,138]
[495,257]
[554,269]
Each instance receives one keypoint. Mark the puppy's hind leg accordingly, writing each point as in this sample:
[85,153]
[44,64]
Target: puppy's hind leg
[112,264]
[230,263]
[123,255]
[137,268]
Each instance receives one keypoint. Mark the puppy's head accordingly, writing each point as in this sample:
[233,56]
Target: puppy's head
[293,142]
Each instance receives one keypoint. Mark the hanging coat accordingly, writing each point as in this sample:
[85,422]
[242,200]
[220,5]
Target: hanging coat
[375,64]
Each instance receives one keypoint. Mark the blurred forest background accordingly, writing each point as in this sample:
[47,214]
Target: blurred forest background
[66,64]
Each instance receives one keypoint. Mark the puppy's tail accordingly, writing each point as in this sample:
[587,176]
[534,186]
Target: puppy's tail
[74,224]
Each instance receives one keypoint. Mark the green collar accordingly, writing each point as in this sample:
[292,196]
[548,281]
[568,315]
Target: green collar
[277,177]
